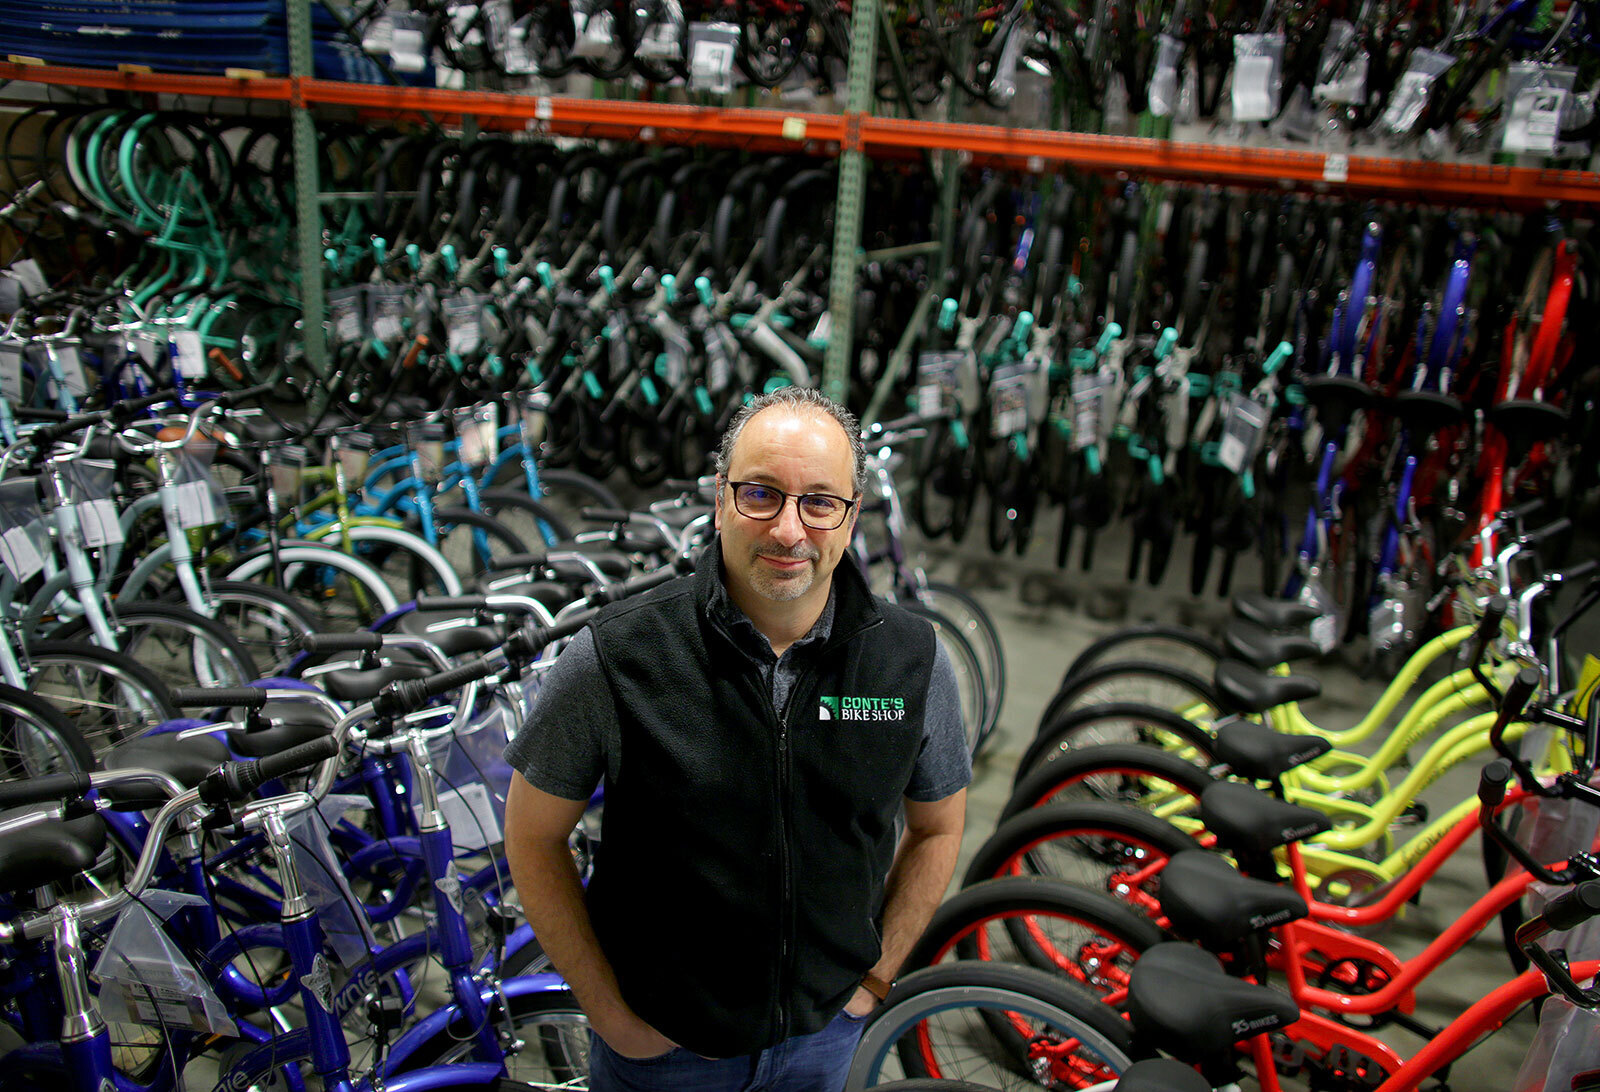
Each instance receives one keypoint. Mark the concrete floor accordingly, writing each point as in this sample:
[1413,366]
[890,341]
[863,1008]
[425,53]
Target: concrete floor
[1040,641]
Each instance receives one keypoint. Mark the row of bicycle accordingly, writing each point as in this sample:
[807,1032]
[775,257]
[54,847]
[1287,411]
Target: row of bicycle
[1200,870]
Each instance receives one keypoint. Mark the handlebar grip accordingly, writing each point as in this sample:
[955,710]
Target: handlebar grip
[530,640]
[125,410]
[37,413]
[634,585]
[233,398]
[402,697]
[1526,509]
[341,642]
[1494,613]
[506,562]
[1549,530]
[237,780]
[43,790]
[1492,783]
[1572,908]
[44,437]
[1518,692]
[452,602]
[1578,571]
[230,697]
[606,515]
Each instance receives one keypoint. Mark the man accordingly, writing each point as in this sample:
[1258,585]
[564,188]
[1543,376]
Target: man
[759,727]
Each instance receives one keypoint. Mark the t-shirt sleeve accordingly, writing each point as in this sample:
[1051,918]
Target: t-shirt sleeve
[561,747]
[944,765]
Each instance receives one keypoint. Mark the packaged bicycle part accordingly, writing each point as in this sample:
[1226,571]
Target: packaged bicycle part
[477,434]
[593,28]
[712,47]
[938,382]
[1342,69]
[508,38]
[1539,95]
[89,484]
[1410,95]
[145,978]
[1257,76]
[24,539]
[347,314]
[1163,94]
[663,36]
[408,37]
[322,876]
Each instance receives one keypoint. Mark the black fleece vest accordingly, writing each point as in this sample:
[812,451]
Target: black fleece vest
[739,883]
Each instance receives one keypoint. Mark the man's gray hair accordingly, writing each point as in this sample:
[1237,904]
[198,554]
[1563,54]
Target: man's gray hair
[795,399]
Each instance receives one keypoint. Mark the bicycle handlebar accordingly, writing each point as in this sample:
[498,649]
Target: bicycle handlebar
[1565,911]
[234,781]
[341,642]
[234,697]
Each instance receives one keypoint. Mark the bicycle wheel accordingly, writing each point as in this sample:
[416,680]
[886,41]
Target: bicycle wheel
[566,493]
[266,621]
[469,540]
[532,521]
[1083,935]
[969,616]
[550,1027]
[180,647]
[969,676]
[1155,684]
[1004,1027]
[107,696]
[1149,642]
[1104,847]
[36,740]
[340,592]
[1120,722]
[1142,777]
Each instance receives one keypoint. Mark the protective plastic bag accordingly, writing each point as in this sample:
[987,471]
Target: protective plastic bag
[145,978]
[343,923]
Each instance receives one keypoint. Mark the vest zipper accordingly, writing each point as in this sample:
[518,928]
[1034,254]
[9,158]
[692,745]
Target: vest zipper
[786,860]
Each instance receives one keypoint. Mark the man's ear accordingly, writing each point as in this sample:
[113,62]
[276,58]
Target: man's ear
[716,509]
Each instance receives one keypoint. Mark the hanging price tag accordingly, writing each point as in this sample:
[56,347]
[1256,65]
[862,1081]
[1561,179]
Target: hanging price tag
[386,310]
[20,556]
[30,276]
[72,373]
[463,322]
[195,507]
[98,521]
[1410,96]
[346,309]
[1242,425]
[1257,79]
[189,354]
[712,47]
[1539,95]
[1008,399]
[408,42]
[1087,395]
[1163,96]
[937,384]
[11,371]
[471,814]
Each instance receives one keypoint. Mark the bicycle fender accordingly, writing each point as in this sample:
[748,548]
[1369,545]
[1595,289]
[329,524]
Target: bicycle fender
[437,1023]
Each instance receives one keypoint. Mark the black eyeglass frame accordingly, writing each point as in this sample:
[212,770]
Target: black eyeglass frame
[784,498]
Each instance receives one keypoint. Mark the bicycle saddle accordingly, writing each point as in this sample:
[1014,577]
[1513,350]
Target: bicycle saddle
[1260,647]
[1210,902]
[1166,987]
[292,723]
[358,685]
[1272,612]
[552,594]
[452,639]
[49,853]
[607,560]
[186,760]
[1256,752]
[1525,422]
[1244,689]
[1425,412]
[1248,821]
[1161,1075]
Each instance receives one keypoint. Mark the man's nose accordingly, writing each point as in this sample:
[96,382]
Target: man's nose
[787,528]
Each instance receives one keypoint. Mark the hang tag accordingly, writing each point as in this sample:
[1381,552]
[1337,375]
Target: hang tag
[1163,96]
[712,47]
[30,277]
[378,37]
[470,812]
[1257,76]
[1242,425]
[386,311]
[1008,399]
[21,557]
[1410,95]
[593,30]
[11,371]
[97,519]
[150,345]
[1087,395]
[463,322]
[72,371]
[346,310]
[663,38]
[1539,95]
[194,505]
[189,354]
[1342,70]
[408,42]
[346,931]
[938,388]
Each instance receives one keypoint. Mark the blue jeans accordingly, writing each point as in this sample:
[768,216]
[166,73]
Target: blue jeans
[818,1062]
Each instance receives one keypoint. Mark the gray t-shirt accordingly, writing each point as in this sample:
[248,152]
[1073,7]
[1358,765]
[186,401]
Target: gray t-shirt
[572,738]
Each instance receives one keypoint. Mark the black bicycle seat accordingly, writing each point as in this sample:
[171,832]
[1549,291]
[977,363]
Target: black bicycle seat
[1161,1075]
[1244,689]
[292,723]
[1248,821]
[1209,901]
[1180,998]
[1260,647]
[359,685]
[1525,422]
[451,633]
[1426,412]
[1272,612]
[185,760]
[1258,753]
[49,852]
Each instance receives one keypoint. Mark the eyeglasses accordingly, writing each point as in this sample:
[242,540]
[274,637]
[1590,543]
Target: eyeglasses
[818,511]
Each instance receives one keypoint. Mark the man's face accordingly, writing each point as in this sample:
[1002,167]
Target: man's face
[797,451]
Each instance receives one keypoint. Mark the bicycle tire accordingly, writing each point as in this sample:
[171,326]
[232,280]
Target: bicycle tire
[562,1059]
[109,697]
[459,531]
[969,675]
[1134,680]
[181,647]
[567,492]
[1090,938]
[344,609]
[1104,847]
[36,740]
[267,621]
[402,558]
[1008,996]
[969,616]
[533,521]
[1133,775]
[1099,725]
[1150,641]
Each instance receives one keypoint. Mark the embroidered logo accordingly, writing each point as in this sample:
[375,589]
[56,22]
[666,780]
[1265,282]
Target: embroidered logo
[844,707]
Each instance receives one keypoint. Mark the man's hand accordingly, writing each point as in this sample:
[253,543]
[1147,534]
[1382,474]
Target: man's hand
[862,1003]
[631,1037]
